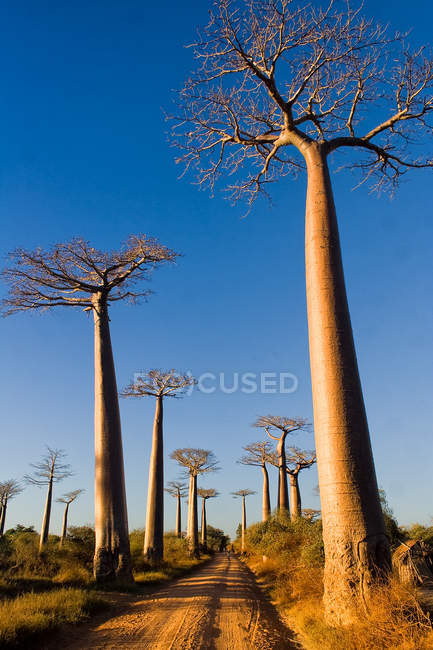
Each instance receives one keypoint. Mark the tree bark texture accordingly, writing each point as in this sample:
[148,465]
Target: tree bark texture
[3,517]
[266,502]
[112,558]
[283,500]
[356,545]
[193,519]
[203,525]
[244,524]
[64,524]
[154,532]
[178,516]
[295,497]
[47,516]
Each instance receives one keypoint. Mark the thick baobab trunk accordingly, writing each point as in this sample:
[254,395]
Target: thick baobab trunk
[266,502]
[112,554]
[154,535]
[244,524]
[356,546]
[283,493]
[193,518]
[178,517]
[64,524]
[295,496]
[47,516]
[203,525]
[3,517]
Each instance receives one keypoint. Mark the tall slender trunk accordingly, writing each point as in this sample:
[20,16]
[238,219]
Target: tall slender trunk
[356,545]
[112,553]
[190,490]
[154,535]
[244,524]
[3,517]
[283,501]
[266,502]
[178,517]
[64,524]
[47,515]
[295,496]
[193,524]
[203,525]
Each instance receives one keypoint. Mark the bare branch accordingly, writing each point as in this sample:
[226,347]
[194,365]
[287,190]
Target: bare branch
[159,383]
[50,468]
[195,461]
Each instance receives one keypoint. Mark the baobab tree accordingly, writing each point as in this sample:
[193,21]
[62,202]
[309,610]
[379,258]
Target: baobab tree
[158,384]
[258,455]
[195,462]
[284,426]
[48,471]
[278,88]
[67,499]
[74,274]
[243,494]
[178,490]
[296,461]
[210,493]
[8,490]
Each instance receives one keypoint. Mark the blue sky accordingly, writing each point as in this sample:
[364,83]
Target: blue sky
[84,151]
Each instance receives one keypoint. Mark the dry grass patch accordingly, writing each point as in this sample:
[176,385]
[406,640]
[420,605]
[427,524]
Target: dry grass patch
[28,616]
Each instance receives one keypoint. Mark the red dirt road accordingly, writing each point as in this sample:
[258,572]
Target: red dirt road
[218,607]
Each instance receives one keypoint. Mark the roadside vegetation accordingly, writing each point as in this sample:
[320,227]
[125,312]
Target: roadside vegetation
[40,591]
[288,558]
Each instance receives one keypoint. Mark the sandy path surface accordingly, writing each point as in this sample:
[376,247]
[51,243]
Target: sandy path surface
[218,607]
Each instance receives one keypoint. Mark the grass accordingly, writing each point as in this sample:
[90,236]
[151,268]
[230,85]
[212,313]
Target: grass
[30,615]
[293,575]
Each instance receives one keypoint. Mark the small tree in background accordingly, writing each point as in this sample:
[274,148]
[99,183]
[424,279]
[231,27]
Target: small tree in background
[158,384]
[67,499]
[195,462]
[74,274]
[243,494]
[178,490]
[284,426]
[205,495]
[8,490]
[258,455]
[48,471]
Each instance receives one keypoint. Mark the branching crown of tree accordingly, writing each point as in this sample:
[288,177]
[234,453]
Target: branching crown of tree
[69,497]
[274,76]
[258,453]
[243,493]
[9,489]
[159,383]
[299,459]
[209,493]
[176,488]
[71,273]
[195,461]
[274,423]
[49,469]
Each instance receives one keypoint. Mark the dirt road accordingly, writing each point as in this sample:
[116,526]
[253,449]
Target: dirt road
[218,607]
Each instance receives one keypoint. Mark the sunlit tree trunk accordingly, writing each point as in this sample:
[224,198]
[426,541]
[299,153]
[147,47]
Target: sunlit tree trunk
[112,554]
[283,493]
[203,525]
[3,517]
[178,517]
[154,535]
[356,546]
[244,524]
[47,515]
[193,518]
[64,524]
[266,503]
[295,497]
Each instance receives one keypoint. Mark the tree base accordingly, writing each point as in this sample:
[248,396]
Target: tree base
[351,571]
[112,566]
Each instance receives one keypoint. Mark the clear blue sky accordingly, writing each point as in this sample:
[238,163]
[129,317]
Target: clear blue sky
[84,151]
